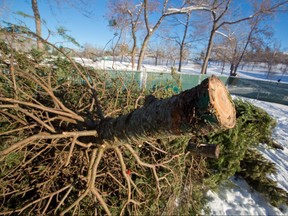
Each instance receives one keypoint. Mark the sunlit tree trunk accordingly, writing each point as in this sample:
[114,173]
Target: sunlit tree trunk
[142,52]
[37,23]
[150,31]
[209,49]
[182,45]
[133,49]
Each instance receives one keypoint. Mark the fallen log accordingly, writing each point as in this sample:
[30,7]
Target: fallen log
[205,150]
[201,110]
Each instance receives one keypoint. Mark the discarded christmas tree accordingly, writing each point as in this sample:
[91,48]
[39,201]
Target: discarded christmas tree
[200,110]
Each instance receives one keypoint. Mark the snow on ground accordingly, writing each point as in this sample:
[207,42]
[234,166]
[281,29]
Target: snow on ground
[235,197]
[187,68]
[239,198]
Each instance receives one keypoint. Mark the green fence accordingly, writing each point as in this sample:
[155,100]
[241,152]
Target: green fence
[257,89]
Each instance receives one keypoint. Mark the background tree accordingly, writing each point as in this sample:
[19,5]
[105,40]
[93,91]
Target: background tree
[90,51]
[188,7]
[257,29]
[127,15]
[148,8]
[183,41]
[38,24]
[219,10]
[80,6]
[271,58]
[156,50]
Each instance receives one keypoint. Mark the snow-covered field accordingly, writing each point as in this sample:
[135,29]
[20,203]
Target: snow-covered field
[237,197]
[191,68]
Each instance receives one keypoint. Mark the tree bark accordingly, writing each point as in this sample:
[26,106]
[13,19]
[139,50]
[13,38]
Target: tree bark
[209,49]
[183,42]
[37,23]
[243,52]
[200,110]
[133,47]
[206,150]
[142,52]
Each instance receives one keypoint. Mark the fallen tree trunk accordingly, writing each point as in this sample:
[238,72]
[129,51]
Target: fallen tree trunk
[200,110]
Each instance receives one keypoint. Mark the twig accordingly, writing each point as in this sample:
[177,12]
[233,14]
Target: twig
[158,149]
[93,178]
[63,199]
[36,119]
[35,201]
[48,109]
[152,166]
[40,136]
[76,202]
[71,150]
[48,90]
[13,116]
[84,145]
[112,176]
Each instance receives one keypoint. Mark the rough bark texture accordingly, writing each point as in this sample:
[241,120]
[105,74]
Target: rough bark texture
[200,110]
[37,23]
[206,150]
[182,45]
[209,50]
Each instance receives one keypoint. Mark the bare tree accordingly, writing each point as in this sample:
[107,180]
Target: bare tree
[271,57]
[90,51]
[123,50]
[182,45]
[170,53]
[218,10]
[256,31]
[149,30]
[181,41]
[79,5]
[165,13]
[125,14]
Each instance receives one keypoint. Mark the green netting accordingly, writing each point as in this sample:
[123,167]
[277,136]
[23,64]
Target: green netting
[257,89]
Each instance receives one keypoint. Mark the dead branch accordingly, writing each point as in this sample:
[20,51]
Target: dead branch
[46,136]
[36,201]
[43,108]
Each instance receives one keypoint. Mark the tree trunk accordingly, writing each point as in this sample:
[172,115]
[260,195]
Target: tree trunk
[142,52]
[243,52]
[200,110]
[209,49]
[183,42]
[134,46]
[37,23]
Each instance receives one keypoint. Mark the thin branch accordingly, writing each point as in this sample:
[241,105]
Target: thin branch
[93,178]
[13,116]
[51,129]
[41,136]
[71,150]
[36,201]
[48,109]
[63,199]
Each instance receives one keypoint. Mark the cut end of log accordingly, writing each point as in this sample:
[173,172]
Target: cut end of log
[222,103]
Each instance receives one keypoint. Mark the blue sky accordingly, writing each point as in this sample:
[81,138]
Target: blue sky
[95,29]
